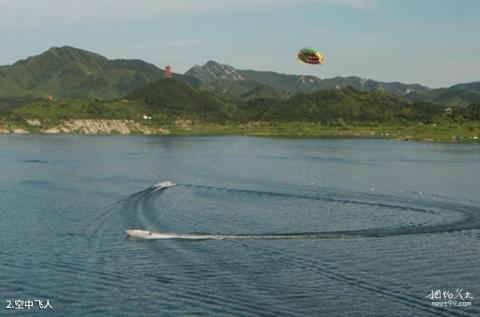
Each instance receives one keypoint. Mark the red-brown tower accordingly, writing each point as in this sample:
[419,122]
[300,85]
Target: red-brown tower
[168,72]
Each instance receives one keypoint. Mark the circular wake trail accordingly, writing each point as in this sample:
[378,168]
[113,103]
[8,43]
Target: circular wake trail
[470,219]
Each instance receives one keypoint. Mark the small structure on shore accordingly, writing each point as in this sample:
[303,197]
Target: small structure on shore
[50,98]
[147,117]
[406,109]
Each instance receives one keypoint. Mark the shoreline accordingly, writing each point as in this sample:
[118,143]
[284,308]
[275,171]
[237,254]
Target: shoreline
[418,132]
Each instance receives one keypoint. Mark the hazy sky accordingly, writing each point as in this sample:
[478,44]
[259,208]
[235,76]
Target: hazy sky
[432,42]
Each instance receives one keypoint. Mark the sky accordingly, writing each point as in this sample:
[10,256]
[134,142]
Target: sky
[432,42]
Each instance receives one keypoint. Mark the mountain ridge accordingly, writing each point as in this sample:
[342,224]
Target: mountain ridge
[461,94]
[70,73]
[295,84]
[67,72]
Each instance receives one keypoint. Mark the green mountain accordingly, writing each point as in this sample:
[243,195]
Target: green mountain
[264,92]
[225,78]
[174,99]
[177,100]
[332,106]
[169,101]
[221,78]
[397,88]
[68,73]
[456,95]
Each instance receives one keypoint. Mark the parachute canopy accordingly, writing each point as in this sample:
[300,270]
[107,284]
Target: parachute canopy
[310,55]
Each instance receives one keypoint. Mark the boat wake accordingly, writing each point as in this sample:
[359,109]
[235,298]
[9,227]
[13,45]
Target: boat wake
[148,235]
[468,218]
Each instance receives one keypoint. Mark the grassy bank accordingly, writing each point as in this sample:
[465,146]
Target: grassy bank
[466,132]
[447,132]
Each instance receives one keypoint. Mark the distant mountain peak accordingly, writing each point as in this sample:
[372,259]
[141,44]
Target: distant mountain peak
[65,48]
[71,53]
[68,72]
[217,76]
[212,63]
[223,71]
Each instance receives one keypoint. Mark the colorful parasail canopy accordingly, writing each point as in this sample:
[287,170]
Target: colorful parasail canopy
[310,55]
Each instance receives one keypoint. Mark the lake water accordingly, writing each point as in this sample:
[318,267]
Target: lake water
[329,227]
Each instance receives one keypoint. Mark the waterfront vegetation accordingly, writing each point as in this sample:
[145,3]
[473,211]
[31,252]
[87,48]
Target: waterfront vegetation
[180,109]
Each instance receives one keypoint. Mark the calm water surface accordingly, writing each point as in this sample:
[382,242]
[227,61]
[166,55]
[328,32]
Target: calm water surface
[360,227]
